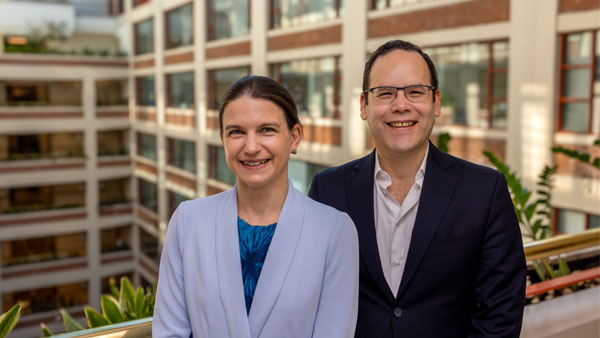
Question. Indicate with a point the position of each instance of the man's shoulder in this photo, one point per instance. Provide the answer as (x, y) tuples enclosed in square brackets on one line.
[(464, 166), (340, 170)]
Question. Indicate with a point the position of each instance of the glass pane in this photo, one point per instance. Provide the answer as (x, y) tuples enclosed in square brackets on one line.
[(597, 71), (499, 115), (145, 91), (181, 90), (147, 146), (594, 222), (575, 117), (576, 83), (174, 200), (500, 83), (149, 245), (291, 13), (462, 73), (144, 36), (301, 174), (147, 194), (500, 54), (570, 222), (578, 48), (229, 18), (183, 155), (111, 92), (220, 80), (180, 27), (40, 93), (379, 4), (313, 85)]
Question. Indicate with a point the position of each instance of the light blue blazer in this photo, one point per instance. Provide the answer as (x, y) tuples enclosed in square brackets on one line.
[(308, 286)]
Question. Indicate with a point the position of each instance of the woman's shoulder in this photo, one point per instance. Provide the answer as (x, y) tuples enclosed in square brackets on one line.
[(324, 214)]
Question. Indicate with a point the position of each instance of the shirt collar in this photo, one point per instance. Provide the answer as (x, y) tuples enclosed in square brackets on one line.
[(385, 176)]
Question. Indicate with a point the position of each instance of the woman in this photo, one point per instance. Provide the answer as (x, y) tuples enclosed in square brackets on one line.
[(209, 283)]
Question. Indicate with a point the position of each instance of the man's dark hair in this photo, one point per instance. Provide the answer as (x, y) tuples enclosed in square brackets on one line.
[(398, 45), (261, 87)]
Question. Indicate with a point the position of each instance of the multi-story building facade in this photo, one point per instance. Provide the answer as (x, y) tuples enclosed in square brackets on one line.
[(517, 77)]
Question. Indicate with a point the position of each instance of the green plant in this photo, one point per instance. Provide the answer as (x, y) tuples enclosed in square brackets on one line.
[(9, 319), (123, 304), (442, 142), (581, 157)]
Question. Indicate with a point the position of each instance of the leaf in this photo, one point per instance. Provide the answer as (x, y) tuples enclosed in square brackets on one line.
[(46, 331), (530, 210), (524, 198), (113, 288), (9, 319), (563, 267), (597, 142), (71, 325), (94, 318), (539, 270), (596, 162), (548, 268), (111, 309), (126, 295), (138, 303)]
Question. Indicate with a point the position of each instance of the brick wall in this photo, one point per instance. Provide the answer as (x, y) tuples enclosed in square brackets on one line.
[(462, 14), (309, 38), (179, 58), (236, 49), (578, 5)]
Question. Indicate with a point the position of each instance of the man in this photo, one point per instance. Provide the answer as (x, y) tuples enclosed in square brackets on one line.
[(441, 250)]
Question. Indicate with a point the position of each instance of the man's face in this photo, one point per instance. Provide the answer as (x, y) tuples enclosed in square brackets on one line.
[(400, 127)]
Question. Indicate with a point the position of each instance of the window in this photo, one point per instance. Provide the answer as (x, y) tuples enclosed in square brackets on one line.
[(113, 142), (227, 19), (43, 249), (37, 146), (146, 146), (217, 166), (144, 36), (302, 173), (174, 200), (114, 191), (111, 93), (40, 93), (149, 245), (180, 27), (145, 91), (290, 13), (147, 194), (379, 4), (571, 221), (180, 90), (473, 81), (182, 154), (48, 197), (315, 85), (218, 82), (115, 7), (115, 239), (579, 90), (48, 299)]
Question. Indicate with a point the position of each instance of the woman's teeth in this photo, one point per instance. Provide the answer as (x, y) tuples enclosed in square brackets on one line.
[(255, 163)]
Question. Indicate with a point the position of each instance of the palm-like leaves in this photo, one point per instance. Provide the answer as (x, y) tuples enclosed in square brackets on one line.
[(9, 319)]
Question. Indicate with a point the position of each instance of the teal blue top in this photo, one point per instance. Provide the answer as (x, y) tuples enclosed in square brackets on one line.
[(254, 244)]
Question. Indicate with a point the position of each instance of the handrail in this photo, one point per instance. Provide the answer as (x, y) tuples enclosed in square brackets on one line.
[(561, 244), (141, 328)]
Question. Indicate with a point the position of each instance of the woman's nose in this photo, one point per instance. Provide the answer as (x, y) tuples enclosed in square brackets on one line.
[(252, 145)]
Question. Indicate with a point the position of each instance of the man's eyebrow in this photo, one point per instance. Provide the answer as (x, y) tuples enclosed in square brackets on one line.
[(232, 126)]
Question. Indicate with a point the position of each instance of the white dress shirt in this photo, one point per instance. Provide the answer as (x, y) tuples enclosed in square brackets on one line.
[(394, 222)]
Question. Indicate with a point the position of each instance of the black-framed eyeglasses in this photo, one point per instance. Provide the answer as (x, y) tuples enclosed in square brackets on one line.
[(387, 94)]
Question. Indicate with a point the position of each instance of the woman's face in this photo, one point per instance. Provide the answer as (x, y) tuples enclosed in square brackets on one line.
[(257, 141)]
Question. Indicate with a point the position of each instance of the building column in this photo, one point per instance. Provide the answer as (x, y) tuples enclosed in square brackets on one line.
[(354, 44), (201, 96), (531, 83), (260, 19)]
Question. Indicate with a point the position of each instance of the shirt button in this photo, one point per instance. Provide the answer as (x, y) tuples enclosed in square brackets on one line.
[(398, 262), (398, 312)]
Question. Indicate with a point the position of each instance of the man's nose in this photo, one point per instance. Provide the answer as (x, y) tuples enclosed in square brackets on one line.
[(400, 102)]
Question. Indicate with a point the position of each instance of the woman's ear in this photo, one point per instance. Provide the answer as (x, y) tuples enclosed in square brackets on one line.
[(296, 132)]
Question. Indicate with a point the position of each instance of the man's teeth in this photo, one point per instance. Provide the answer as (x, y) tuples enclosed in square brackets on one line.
[(254, 164), (402, 124)]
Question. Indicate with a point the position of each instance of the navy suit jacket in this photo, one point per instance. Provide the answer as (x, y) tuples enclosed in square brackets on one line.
[(465, 271)]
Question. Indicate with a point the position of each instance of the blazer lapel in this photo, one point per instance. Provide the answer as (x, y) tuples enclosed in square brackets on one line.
[(359, 194), (279, 259), (438, 186), (229, 267)]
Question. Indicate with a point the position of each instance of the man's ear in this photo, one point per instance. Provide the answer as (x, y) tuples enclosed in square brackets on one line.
[(363, 107), (438, 103)]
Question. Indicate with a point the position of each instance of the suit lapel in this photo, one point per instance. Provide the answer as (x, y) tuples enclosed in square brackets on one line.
[(438, 186), (359, 194), (229, 268), (278, 261)]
